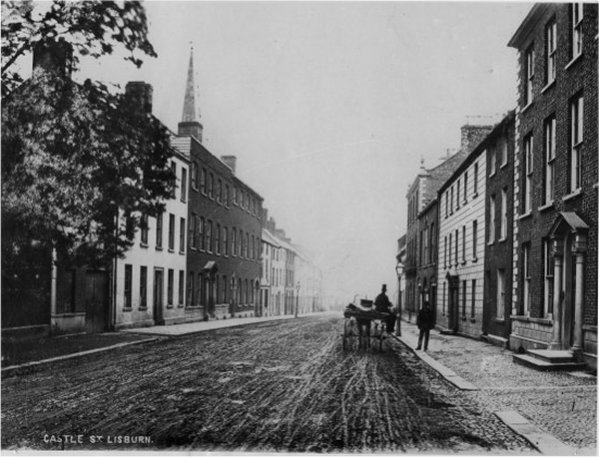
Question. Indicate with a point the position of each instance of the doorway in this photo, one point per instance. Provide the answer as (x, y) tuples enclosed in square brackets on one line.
[(158, 309), (96, 301)]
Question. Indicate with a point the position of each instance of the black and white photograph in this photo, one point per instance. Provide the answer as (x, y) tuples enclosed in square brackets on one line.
[(348, 227)]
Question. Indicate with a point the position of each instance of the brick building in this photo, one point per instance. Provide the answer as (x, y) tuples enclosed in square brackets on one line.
[(224, 229), (421, 193), (554, 303), (499, 231)]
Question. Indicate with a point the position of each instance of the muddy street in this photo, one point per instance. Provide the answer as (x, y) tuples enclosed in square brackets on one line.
[(281, 386)]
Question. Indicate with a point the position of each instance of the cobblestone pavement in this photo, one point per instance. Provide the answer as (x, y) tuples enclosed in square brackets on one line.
[(563, 404), (279, 386)]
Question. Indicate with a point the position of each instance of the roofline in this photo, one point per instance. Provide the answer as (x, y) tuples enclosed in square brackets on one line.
[(427, 206), (509, 117), (525, 28), (224, 165)]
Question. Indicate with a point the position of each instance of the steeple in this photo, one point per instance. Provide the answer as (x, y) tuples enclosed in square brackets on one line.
[(190, 125)]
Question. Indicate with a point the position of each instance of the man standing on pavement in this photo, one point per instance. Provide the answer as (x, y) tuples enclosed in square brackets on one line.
[(425, 324), (383, 305)]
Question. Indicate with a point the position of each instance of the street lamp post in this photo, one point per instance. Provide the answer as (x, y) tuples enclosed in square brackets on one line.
[(297, 290), (399, 271)]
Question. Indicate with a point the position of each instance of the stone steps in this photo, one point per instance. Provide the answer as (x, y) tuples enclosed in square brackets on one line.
[(547, 360)]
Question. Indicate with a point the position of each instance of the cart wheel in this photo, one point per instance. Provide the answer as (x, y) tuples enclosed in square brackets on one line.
[(348, 333)]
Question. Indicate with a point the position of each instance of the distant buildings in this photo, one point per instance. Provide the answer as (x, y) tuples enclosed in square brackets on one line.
[(517, 216)]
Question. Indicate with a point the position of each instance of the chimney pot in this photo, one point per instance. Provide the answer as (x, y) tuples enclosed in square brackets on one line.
[(230, 161), (141, 93)]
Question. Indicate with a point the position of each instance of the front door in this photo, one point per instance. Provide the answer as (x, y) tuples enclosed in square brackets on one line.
[(454, 302), (96, 301), (158, 296)]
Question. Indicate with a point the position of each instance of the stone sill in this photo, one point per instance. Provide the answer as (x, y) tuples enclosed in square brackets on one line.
[(545, 206), (548, 86), (572, 195), (503, 165), (492, 174), (525, 215), (498, 320), (573, 61), (533, 320), (66, 315), (589, 328), (527, 106), (143, 245), (503, 240)]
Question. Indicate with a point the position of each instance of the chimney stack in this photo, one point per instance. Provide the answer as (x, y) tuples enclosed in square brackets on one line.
[(230, 161), (141, 94), (472, 135), (53, 56)]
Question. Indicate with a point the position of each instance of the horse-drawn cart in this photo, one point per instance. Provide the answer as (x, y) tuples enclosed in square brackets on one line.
[(362, 327)]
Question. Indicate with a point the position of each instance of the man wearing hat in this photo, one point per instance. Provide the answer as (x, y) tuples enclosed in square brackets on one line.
[(383, 305)]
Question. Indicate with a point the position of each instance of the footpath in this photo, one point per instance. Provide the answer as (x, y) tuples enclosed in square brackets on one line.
[(555, 411)]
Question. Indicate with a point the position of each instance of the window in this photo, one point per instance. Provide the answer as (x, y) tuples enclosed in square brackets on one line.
[(432, 257), (576, 137), (235, 195), (171, 232), (170, 287), (473, 299), (550, 52), (144, 229), (503, 149), (182, 235), (217, 239), (463, 244), (198, 289), (219, 191), (492, 160), (445, 252), (457, 259), (492, 219), (210, 185), (475, 184), (226, 196), (174, 171), (500, 294), (203, 181), (503, 222), (190, 294), (446, 203), (239, 241), (576, 10), (183, 184), (181, 287), (449, 250), (225, 241), (201, 238), (234, 242), (464, 282), (547, 278), (474, 238), (128, 284), (528, 168), (194, 175), (465, 188), (209, 235), (526, 298), (247, 245), (224, 290), (457, 195), (192, 231), (451, 203), (530, 74), (548, 181), (143, 287), (159, 231)]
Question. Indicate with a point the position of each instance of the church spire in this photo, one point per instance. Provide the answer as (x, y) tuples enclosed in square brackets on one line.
[(190, 125)]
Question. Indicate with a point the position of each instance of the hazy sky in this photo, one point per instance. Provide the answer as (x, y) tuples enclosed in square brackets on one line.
[(329, 107)]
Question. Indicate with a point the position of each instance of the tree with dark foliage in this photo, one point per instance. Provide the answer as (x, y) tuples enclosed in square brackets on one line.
[(75, 156)]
